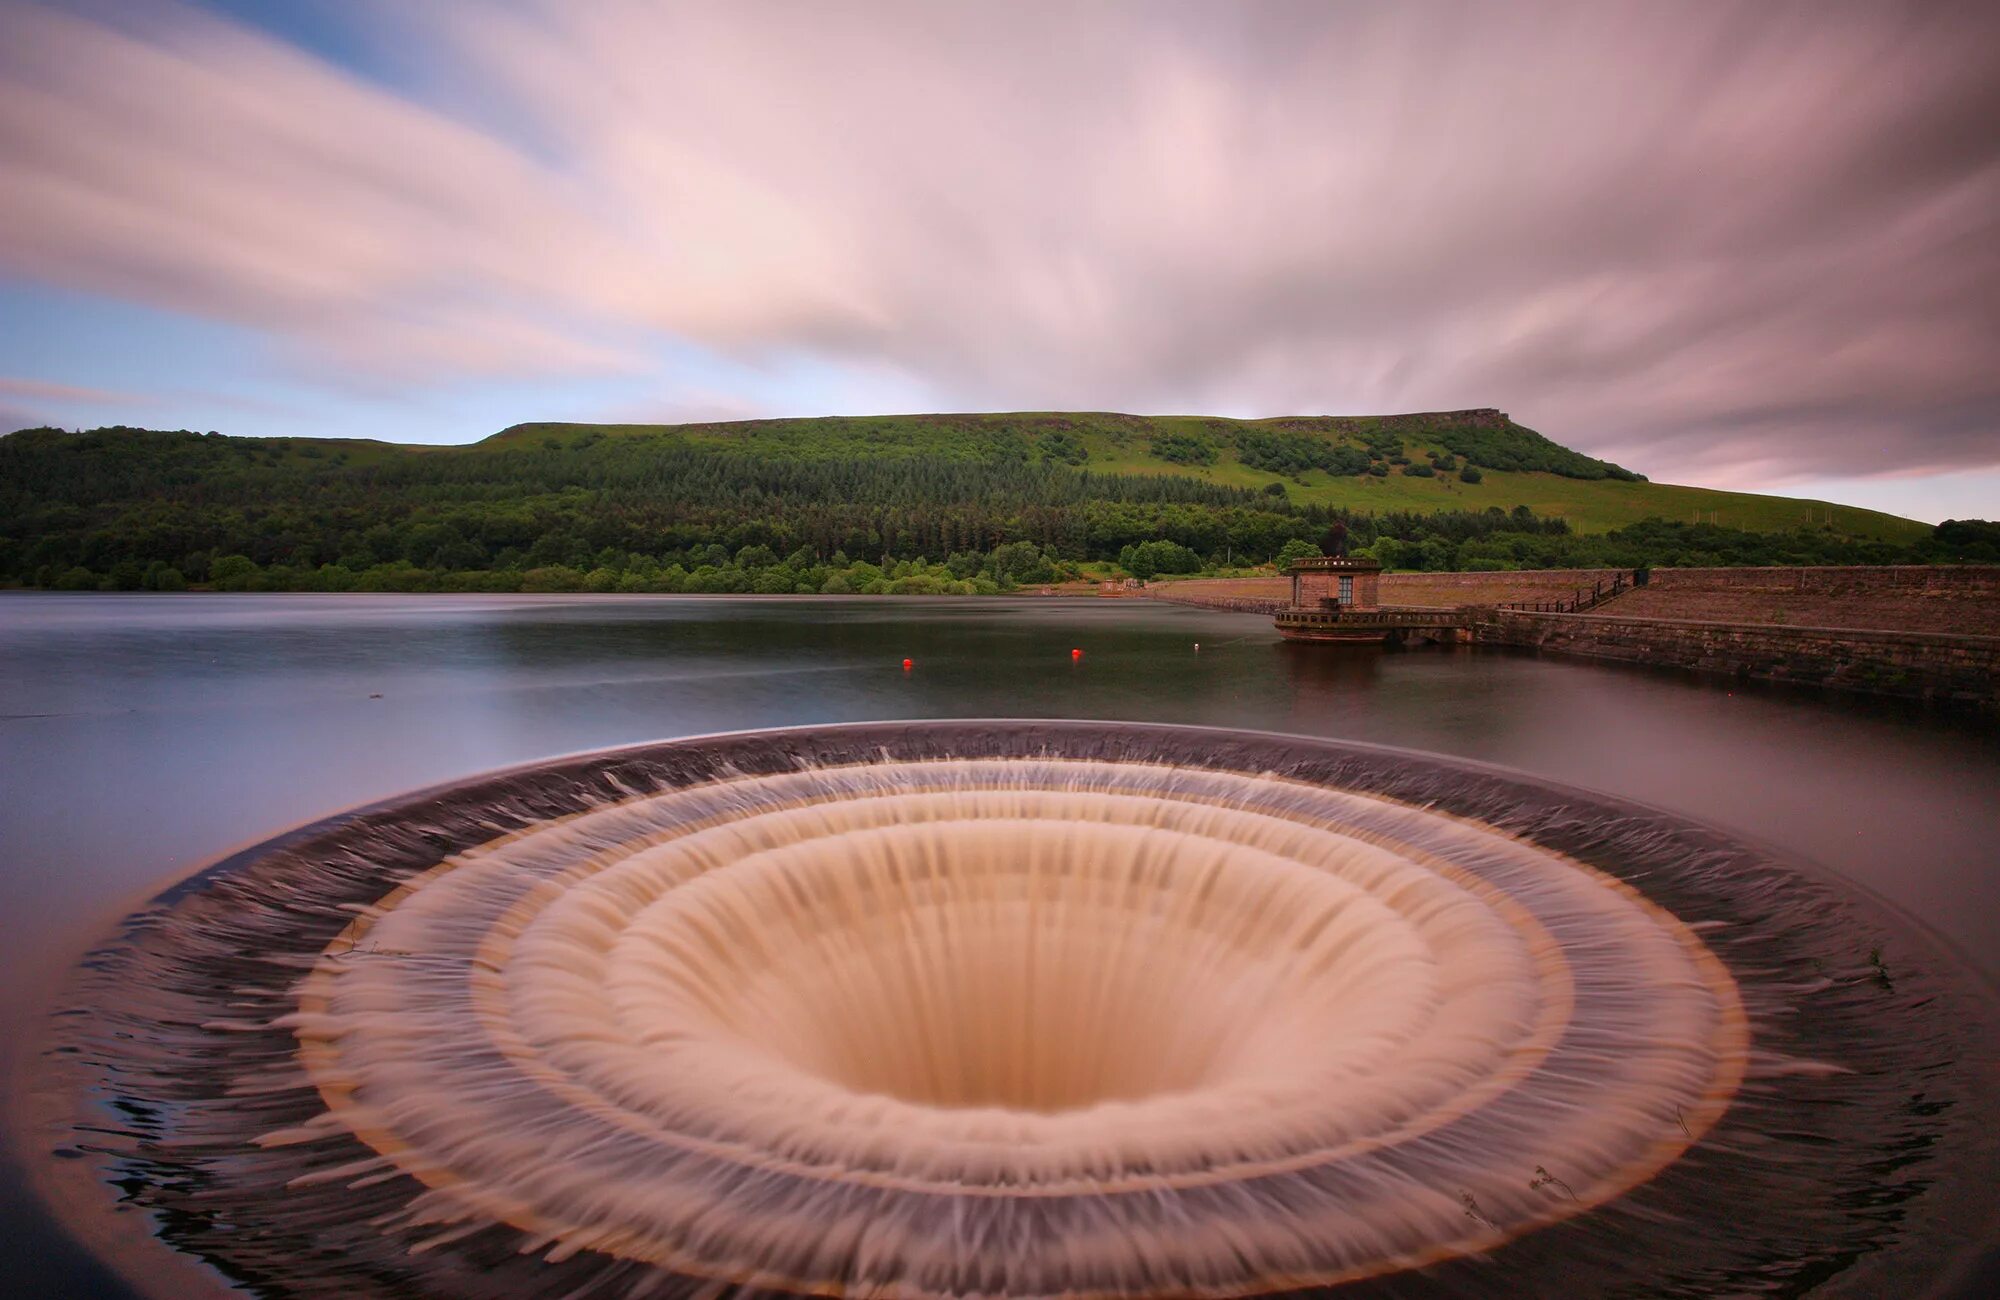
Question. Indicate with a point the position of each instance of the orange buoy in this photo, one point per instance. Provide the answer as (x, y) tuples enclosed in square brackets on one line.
[(1076, 654), (908, 664)]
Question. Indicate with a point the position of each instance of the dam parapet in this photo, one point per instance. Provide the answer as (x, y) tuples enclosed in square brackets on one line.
[(1932, 666), (1924, 633)]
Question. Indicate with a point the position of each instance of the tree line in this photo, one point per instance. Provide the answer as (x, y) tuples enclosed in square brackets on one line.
[(127, 509)]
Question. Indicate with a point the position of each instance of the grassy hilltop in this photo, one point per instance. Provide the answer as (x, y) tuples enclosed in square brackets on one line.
[(892, 503)]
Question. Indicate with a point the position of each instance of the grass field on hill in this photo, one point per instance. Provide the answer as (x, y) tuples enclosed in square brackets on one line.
[(1122, 444)]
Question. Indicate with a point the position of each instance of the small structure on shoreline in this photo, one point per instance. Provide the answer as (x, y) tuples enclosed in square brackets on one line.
[(1336, 600), (1336, 582)]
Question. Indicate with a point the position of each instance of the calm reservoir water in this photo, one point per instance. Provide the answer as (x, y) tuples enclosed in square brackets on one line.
[(141, 736)]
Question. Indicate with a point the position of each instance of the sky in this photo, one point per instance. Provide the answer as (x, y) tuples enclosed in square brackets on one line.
[(1749, 245)]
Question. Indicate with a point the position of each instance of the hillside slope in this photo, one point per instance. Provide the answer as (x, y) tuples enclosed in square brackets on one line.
[(1320, 460), (902, 503)]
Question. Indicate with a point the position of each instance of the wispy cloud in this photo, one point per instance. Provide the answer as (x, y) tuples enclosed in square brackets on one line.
[(1745, 243), (40, 390)]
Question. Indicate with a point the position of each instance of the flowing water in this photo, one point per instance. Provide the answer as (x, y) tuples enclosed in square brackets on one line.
[(1222, 1031)]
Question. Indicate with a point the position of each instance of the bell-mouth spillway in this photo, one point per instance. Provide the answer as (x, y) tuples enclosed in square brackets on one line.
[(1026, 1008)]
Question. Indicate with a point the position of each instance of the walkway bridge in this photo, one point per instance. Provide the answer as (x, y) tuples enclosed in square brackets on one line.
[(1336, 620)]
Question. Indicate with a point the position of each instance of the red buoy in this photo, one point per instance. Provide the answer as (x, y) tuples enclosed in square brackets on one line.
[(908, 664), (1076, 654)]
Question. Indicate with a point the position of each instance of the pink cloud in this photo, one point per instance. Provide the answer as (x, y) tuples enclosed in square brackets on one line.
[(1736, 241), (40, 390)]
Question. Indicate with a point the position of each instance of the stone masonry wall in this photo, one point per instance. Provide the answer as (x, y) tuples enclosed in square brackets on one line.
[(1241, 595), (1981, 579), (1441, 590), (1916, 665), (1958, 599), (1451, 590)]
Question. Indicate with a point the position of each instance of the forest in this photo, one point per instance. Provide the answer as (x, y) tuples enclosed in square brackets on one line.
[(134, 509)]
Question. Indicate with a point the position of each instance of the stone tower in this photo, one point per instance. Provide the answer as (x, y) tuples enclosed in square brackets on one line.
[(1344, 582)]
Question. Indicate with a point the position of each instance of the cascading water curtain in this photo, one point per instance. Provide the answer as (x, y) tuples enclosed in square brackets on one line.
[(1025, 1009)]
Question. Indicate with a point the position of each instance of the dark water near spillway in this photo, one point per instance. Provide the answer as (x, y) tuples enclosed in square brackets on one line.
[(141, 736)]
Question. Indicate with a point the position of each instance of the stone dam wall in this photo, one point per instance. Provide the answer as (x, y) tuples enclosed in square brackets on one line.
[(1220, 600), (1411, 590), (1912, 665), (1919, 632), (1250, 595), (1962, 599), (1452, 590)]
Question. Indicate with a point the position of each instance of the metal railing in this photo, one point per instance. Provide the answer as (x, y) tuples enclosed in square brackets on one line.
[(1578, 602), (1371, 618)]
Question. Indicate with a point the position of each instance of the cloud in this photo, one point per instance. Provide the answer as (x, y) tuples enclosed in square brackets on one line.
[(1746, 243), (33, 403), (41, 390)]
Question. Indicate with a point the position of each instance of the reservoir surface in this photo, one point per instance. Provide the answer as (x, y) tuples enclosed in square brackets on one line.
[(142, 736)]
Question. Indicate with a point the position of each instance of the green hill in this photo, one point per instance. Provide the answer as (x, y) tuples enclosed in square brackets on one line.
[(1321, 460), (902, 503)]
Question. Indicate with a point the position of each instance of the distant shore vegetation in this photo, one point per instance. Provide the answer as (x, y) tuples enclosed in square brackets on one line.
[(130, 509)]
